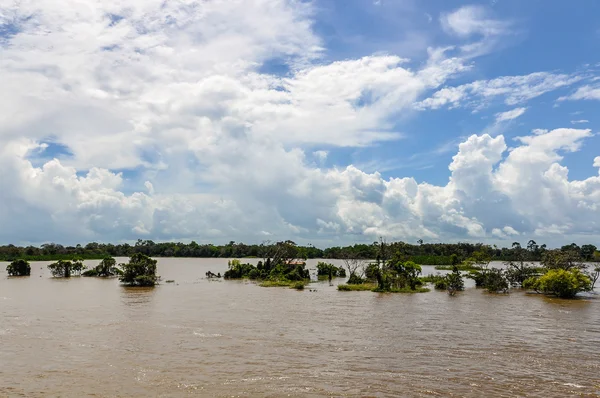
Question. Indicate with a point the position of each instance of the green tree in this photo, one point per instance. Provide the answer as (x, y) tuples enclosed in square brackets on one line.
[(496, 281), (587, 252), (454, 282), (566, 258), (518, 271), (66, 268), (19, 268), (106, 268), (560, 282), (139, 271)]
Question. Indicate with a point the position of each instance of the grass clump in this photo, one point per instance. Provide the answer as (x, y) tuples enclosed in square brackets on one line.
[(278, 283), (357, 287), (298, 286)]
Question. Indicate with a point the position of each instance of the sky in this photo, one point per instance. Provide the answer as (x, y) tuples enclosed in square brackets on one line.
[(325, 122)]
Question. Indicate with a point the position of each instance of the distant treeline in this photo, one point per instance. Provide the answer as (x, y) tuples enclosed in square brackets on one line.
[(420, 253)]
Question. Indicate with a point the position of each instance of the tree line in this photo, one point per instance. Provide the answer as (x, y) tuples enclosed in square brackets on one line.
[(562, 272), (419, 253)]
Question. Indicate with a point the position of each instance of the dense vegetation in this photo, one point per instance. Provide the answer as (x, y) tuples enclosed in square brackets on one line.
[(563, 274), (19, 268), (106, 268), (66, 268), (139, 271), (421, 253), (330, 271)]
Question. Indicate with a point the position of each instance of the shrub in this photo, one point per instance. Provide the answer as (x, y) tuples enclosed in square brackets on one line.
[(19, 268), (65, 268), (298, 286), (355, 280), (106, 268), (495, 281), (441, 284), (559, 282), (140, 271), (454, 282)]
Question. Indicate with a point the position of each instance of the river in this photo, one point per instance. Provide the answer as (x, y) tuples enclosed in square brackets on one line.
[(85, 337)]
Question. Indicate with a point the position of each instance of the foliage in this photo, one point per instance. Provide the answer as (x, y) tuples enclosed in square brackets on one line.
[(518, 271), (422, 253), (441, 283), (298, 285), (106, 268), (455, 282), (355, 280), (357, 287), (284, 271), (559, 282), (565, 258), (494, 280), (452, 282), (19, 268), (66, 268), (326, 269), (139, 271)]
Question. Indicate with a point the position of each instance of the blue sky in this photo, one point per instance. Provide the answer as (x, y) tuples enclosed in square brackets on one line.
[(321, 121)]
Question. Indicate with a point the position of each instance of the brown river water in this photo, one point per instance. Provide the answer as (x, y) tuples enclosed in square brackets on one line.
[(87, 337)]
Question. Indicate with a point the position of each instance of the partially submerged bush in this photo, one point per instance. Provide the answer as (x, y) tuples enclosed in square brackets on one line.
[(288, 271), (19, 268), (106, 268), (454, 282), (326, 269), (494, 280), (65, 268), (560, 282), (139, 271)]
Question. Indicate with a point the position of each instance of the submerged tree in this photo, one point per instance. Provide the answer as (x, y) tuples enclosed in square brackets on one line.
[(66, 269), (106, 268), (454, 282), (19, 268), (520, 270), (560, 282), (594, 275), (563, 276), (139, 271), (355, 268)]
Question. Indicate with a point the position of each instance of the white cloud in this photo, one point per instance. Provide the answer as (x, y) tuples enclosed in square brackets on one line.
[(510, 115), (470, 20), (512, 89), (214, 148), (586, 92)]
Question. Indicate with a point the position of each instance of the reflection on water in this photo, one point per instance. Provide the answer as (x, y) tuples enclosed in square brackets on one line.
[(87, 336)]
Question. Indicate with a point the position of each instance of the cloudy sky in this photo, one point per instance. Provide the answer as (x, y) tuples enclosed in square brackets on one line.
[(324, 121)]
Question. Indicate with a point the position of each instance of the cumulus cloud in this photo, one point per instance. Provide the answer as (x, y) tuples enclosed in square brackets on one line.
[(173, 129), (510, 115)]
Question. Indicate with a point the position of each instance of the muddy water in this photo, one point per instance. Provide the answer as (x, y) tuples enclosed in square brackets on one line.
[(91, 337)]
